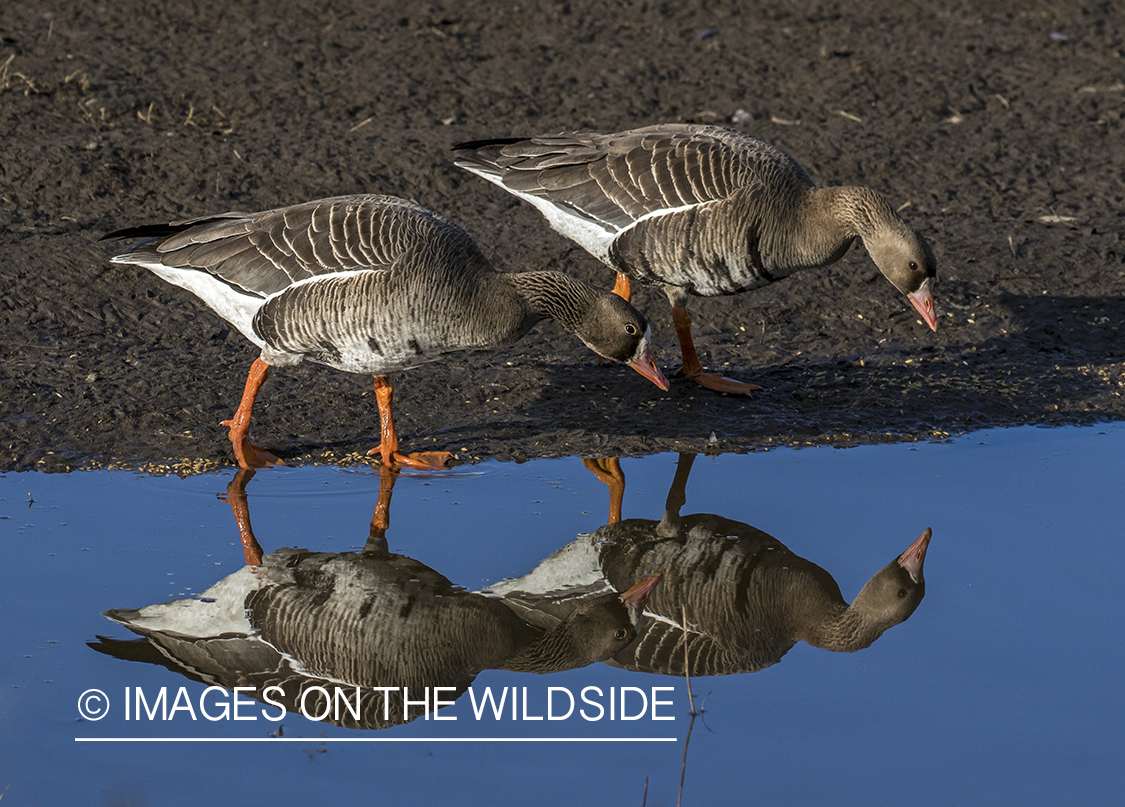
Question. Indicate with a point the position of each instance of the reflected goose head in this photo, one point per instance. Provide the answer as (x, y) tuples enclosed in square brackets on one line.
[(594, 631), (606, 624), (893, 593)]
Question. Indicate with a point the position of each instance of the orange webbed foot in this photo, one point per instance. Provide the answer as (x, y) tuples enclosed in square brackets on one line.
[(719, 383), (250, 456), (422, 460)]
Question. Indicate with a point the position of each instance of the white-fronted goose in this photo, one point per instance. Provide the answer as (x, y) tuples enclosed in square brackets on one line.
[(755, 598), (747, 597), (370, 284), (307, 623), (701, 210)]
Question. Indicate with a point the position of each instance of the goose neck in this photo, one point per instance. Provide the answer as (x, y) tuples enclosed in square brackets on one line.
[(552, 295), (552, 651), (844, 629), (855, 211)]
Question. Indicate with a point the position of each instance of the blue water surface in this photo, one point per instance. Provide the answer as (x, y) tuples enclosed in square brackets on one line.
[(1002, 688)]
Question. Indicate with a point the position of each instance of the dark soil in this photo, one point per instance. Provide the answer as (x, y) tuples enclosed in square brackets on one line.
[(999, 133)]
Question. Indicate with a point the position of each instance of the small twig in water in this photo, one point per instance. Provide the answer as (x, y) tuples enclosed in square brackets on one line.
[(691, 703), (687, 672)]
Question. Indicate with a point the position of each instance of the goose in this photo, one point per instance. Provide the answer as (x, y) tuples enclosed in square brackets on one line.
[(305, 623), (755, 598), (310, 622), (369, 284), (700, 210), (747, 598)]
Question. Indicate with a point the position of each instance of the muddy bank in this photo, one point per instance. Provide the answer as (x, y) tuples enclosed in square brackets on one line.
[(998, 134)]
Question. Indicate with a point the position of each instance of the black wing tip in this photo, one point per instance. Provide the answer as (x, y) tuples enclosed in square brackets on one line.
[(143, 231), (474, 145)]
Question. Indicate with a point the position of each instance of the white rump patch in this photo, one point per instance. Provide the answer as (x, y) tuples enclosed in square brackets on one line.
[(237, 308), (592, 236), (576, 565), (220, 609)]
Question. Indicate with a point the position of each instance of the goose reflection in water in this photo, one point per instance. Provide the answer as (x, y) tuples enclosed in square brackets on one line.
[(746, 598), (373, 622)]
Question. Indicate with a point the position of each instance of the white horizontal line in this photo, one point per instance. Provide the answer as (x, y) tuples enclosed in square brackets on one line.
[(375, 739)]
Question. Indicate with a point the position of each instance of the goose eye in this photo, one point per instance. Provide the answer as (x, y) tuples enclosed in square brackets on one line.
[(913, 266), (621, 632), (631, 330), (901, 593)]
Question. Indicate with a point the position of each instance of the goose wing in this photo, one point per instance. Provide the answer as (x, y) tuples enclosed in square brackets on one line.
[(611, 181), (260, 254)]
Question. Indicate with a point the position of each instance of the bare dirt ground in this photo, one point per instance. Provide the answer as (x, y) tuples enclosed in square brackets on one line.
[(996, 128)]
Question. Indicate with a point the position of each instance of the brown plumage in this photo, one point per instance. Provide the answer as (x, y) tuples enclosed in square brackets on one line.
[(700, 210), (308, 622), (370, 284), (746, 596)]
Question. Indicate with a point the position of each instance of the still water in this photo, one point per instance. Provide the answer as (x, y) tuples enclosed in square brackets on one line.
[(1003, 687)]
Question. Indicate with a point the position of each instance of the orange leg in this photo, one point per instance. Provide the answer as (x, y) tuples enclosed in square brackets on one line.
[(250, 456), (388, 447), (677, 493), (692, 367), (608, 470), (622, 288), (240, 508), (381, 518)]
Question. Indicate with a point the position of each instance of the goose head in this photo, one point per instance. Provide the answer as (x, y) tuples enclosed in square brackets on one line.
[(595, 631), (907, 261), (615, 330), (890, 596)]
